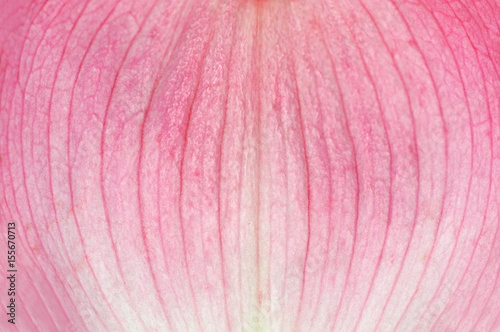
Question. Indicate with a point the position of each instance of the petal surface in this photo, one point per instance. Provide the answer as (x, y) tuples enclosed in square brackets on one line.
[(258, 165)]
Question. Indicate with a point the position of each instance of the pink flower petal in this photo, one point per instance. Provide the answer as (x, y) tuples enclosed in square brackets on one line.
[(251, 165)]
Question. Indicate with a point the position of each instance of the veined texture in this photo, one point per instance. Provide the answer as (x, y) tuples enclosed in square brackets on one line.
[(225, 165)]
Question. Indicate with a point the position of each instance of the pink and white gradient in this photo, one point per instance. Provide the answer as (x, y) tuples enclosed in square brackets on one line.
[(245, 165)]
